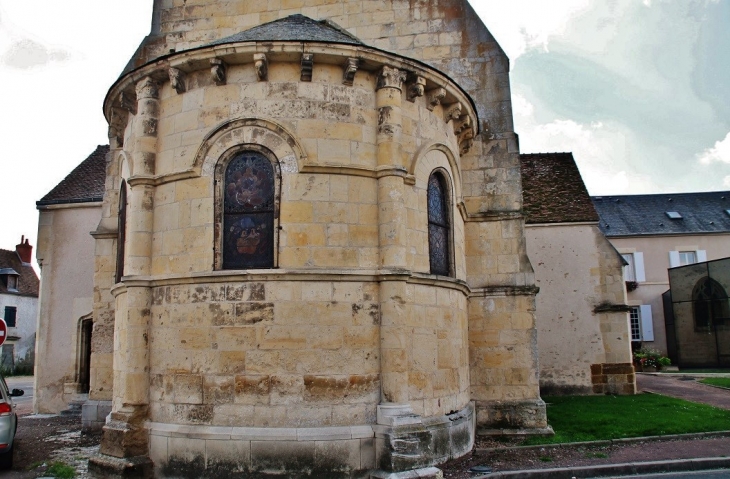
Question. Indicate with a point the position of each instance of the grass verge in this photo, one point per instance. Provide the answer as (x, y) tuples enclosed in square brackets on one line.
[(60, 470), (594, 418), (722, 382)]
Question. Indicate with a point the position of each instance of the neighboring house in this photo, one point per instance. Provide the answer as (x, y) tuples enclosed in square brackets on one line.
[(581, 314), (657, 232), (65, 253), (18, 304), (701, 313)]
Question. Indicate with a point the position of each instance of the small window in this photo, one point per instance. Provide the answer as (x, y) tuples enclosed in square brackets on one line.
[(10, 315), (635, 317), (687, 257), (12, 282), (121, 231), (674, 215), (710, 306), (439, 229)]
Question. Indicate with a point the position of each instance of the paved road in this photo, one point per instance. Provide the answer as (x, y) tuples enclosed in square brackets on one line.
[(682, 475), (684, 387), (23, 403)]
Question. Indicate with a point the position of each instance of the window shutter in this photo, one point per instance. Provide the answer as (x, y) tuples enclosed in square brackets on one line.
[(639, 267), (673, 259), (647, 327), (701, 256)]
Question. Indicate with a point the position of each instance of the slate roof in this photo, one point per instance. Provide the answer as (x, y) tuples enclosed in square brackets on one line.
[(553, 190), (27, 282), (297, 28), (84, 184), (635, 215)]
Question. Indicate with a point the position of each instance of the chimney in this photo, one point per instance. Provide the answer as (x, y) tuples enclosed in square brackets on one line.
[(24, 250)]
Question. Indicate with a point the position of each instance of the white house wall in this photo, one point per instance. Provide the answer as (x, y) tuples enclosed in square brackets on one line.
[(65, 296)]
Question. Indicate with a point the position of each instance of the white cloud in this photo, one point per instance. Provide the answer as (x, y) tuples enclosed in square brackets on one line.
[(19, 50), (719, 153), (726, 182), (527, 24)]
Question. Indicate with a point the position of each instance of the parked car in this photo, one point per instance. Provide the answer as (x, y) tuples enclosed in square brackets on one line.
[(8, 423)]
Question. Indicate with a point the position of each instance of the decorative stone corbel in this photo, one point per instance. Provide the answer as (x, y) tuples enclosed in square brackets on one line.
[(128, 102), (465, 146), (416, 88), (452, 112), (462, 124), (391, 78), (307, 66), (262, 66), (177, 79), (434, 97), (218, 71), (117, 124), (467, 134), (351, 66)]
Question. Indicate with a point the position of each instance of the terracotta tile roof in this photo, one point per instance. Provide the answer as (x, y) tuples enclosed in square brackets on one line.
[(553, 190), (633, 215), (84, 184), (27, 282)]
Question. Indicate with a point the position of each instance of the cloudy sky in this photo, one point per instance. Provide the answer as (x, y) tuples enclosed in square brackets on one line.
[(638, 90)]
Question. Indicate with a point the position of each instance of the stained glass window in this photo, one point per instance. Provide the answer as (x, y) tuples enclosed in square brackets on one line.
[(438, 225), (248, 212), (710, 304)]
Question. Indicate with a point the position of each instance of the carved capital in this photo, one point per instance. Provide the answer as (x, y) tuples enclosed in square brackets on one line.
[(434, 97), (147, 88), (452, 112), (218, 71), (177, 79), (307, 66), (348, 77), (262, 66), (391, 78), (416, 88)]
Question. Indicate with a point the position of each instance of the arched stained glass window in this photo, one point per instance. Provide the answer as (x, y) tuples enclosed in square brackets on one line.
[(438, 225), (709, 304), (248, 212)]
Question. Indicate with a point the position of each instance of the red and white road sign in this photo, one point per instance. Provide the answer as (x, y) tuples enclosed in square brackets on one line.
[(3, 331)]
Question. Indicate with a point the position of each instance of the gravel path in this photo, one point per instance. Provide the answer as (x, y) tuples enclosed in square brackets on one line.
[(684, 387)]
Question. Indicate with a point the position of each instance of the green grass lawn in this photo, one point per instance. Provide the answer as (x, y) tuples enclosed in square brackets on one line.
[(593, 418), (722, 382)]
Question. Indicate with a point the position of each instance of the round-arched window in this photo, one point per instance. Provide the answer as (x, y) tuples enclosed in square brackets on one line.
[(438, 225), (248, 212)]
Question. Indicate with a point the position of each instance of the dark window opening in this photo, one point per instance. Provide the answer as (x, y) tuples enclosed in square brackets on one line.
[(121, 231), (438, 225), (248, 212), (10, 315)]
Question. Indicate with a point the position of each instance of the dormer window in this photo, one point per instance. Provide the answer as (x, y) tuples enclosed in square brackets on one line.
[(9, 278)]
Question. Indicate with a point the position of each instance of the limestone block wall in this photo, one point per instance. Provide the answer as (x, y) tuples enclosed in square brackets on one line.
[(65, 254)]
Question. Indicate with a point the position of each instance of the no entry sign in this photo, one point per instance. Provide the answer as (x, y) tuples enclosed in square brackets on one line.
[(3, 331)]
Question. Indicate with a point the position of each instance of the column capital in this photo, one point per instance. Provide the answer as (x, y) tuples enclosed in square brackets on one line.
[(147, 88), (391, 78)]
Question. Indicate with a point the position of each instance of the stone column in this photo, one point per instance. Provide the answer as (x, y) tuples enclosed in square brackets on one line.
[(125, 436), (392, 236)]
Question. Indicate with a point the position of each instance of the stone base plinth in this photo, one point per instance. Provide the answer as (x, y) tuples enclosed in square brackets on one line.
[(425, 473), (102, 467), (94, 414), (512, 418)]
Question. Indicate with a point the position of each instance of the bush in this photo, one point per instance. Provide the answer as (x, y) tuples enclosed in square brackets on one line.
[(646, 357)]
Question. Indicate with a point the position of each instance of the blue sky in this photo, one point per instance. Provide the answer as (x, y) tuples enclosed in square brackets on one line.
[(638, 90)]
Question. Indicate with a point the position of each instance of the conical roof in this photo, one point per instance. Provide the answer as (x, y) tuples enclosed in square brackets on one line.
[(294, 28)]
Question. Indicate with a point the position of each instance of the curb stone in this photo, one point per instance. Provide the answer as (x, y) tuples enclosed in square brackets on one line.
[(680, 465), (621, 441)]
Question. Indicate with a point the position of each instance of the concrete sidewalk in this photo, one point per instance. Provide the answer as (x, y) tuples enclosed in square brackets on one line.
[(678, 453)]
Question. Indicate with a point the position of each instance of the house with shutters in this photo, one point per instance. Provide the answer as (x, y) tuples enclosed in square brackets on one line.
[(654, 233), (18, 304)]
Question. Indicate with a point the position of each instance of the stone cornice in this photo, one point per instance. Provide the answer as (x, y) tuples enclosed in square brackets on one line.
[(217, 59)]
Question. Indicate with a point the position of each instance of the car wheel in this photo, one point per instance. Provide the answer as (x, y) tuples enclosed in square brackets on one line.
[(6, 459)]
